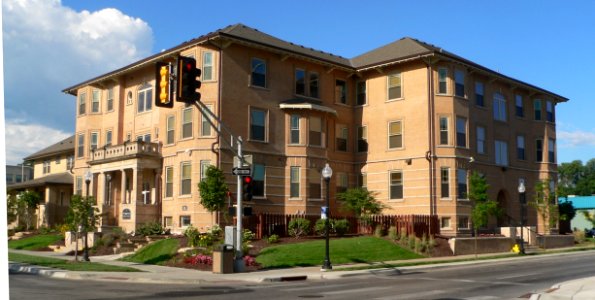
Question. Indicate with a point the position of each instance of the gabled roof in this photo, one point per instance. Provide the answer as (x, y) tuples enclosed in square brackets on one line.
[(61, 147), (395, 52), (60, 178), (580, 202)]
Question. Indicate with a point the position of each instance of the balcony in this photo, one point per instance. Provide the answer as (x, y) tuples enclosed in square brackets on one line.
[(128, 150)]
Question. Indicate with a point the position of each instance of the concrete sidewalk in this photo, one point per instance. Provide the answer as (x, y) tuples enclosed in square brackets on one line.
[(576, 289)]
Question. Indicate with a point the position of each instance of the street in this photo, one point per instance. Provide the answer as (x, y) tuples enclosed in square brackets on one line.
[(495, 280)]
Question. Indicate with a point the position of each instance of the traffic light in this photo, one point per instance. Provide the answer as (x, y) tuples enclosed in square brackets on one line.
[(247, 188), (163, 97), (188, 81)]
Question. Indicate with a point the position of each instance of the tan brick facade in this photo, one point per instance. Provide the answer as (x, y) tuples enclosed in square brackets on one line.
[(418, 132)]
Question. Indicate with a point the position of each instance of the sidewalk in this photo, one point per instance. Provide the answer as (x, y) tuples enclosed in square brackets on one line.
[(576, 289)]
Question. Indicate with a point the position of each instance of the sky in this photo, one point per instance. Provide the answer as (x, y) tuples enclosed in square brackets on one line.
[(50, 45)]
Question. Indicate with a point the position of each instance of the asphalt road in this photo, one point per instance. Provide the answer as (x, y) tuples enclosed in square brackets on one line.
[(496, 280)]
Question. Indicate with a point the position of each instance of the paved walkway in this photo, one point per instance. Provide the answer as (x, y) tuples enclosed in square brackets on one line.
[(576, 289)]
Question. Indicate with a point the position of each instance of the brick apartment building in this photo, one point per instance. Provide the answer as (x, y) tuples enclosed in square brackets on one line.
[(407, 120)]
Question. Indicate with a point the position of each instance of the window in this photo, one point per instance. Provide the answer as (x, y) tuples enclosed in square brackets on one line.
[(145, 98), (314, 85), (80, 150), (258, 125), (168, 221), (461, 132), (204, 165), (442, 76), (342, 135), (539, 150), (443, 130), (340, 91), (395, 135), (94, 140), (258, 176), (549, 111), (146, 192), (394, 86), (342, 182), (444, 182), (479, 94), (314, 184), (360, 90), (520, 147), (550, 150), (95, 101), (315, 134), (57, 159), (300, 82), (170, 129), (362, 139), (461, 184), (79, 185), (481, 140), (519, 110), (396, 185), (459, 83), (205, 125), (82, 103), (185, 221), (69, 162), (463, 223), (258, 76), (46, 166), (499, 107), (207, 66), (501, 150), (108, 138), (294, 128), (186, 179), (537, 110), (110, 99), (169, 182), (445, 222), (144, 138), (294, 178), (187, 123)]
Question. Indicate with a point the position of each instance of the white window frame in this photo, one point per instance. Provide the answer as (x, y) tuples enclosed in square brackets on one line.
[(499, 105), (396, 183), (96, 101), (206, 130), (442, 78), (294, 180), (460, 81), (398, 134), (481, 139), (501, 152), (399, 76), (187, 122), (255, 65), (170, 130), (444, 130), (207, 62), (185, 164), (144, 97), (294, 127)]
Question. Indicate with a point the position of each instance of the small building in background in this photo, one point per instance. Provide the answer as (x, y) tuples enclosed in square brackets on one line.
[(581, 204)]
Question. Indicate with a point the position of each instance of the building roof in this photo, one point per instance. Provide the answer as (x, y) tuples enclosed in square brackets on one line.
[(60, 178), (397, 52), (580, 202), (61, 147)]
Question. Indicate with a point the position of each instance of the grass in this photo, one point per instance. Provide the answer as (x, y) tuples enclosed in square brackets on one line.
[(342, 251), (35, 242), (66, 265), (155, 253)]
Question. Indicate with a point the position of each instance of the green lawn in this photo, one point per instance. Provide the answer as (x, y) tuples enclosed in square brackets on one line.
[(155, 253), (65, 264), (35, 242), (346, 250)]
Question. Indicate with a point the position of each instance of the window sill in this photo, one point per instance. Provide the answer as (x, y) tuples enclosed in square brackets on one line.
[(315, 199), (343, 104), (262, 88), (296, 145), (185, 196), (443, 94), (461, 97), (396, 200), (463, 200), (361, 105), (258, 141), (394, 100), (295, 199), (185, 139), (446, 199)]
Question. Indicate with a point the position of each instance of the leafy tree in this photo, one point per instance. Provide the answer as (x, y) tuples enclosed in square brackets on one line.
[(81, 212), (544, 203), (12, 208), (483, 208), (361, 202), (213, 190), (566, 211), (25, 204), (589, 217)]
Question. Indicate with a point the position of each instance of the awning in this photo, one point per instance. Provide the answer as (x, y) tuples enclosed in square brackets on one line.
[(306, 104), (61, 178)]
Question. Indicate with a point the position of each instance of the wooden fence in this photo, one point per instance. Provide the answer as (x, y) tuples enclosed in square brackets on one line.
[(266, 224)]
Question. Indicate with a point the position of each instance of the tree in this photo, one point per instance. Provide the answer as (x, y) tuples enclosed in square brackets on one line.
[(81, 212), (361, 202), (566, 211), (483, 208), (213, 189), (589, 217), (544, 202), (26, 204)]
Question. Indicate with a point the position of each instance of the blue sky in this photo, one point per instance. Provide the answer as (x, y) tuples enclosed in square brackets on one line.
[(544, 43)]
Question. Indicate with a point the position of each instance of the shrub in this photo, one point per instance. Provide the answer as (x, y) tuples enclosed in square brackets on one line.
[(248, 235), (431, 244), (392, 233), (379, 231), (151, 228), (216, 231), (319, 227), (298, 227), (273, 239), (199, 259), (192, 234), (63, 229), (250, 261), (341, 227), (579, 236), (403, 239), (411, 242), (418, 246)]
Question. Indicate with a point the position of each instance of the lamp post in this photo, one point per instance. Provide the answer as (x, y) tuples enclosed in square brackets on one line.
[(327, 173), (522, 201), (109, 189), (88, 177)]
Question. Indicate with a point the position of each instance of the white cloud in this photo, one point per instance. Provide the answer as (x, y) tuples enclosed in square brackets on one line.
[(26, 139), (49, 47), (575, 138)]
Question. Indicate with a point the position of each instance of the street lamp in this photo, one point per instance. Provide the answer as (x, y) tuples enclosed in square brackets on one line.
[(522, 201), (327, 173), (88, 177)]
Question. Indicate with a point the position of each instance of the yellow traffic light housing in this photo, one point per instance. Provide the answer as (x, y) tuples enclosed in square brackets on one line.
[(163, 90)]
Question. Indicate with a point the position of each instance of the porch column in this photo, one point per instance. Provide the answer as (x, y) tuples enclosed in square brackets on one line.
[(156, 189), (123, 189), (134, 194)]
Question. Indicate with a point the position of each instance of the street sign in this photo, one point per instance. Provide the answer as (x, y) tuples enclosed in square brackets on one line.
[(241, 171)]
